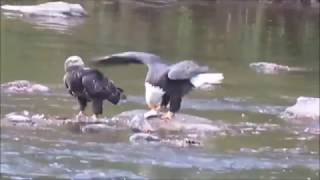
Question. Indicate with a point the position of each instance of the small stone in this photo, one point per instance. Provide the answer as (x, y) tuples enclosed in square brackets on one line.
[(143, 137), (243, 115)]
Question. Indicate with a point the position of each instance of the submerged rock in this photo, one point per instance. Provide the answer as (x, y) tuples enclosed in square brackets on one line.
[(143, 137), (23, 86), (272, 68), (95, 128), (50, 9), (139, 138), (304, 109)]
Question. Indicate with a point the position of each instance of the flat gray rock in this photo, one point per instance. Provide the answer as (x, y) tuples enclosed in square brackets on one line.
[(135, 120)]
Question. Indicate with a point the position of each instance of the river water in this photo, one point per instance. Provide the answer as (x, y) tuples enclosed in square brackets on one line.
[(227, 36)]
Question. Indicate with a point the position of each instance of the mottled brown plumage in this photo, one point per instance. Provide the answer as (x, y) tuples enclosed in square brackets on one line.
[(88, 84)]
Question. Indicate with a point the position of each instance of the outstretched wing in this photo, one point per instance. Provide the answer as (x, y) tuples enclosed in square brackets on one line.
[(185, 70), (97, 86), (130, 57)]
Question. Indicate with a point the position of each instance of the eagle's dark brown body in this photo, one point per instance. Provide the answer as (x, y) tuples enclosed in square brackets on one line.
[(88, 84)]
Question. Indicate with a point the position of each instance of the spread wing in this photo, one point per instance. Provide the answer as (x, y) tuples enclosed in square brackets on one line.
[(130, 57), (185, 70)]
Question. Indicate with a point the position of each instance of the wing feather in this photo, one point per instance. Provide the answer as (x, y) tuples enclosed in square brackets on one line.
[(185, 70), (130, 57), (97, 86)]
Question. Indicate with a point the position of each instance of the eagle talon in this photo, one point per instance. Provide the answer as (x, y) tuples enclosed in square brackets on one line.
[(168, 116), (94, 118), (148, 131), (163, 109), (81, 116)]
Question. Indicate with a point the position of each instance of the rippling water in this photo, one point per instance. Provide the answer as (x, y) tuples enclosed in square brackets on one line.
[(227, 36)]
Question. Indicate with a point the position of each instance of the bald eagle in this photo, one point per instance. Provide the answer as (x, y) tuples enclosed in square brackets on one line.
[(88, 84), (166, 84)]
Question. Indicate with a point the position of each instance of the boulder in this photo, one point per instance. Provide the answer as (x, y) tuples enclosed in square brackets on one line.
[(50, 9), (184, 123), (23, 86), (272, 68), (306, 108)]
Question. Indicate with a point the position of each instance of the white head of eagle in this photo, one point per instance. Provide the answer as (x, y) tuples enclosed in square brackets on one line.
[(73, 61)]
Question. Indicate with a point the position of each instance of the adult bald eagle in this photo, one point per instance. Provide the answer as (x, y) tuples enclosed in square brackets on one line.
[(88, 84), (166, 84)]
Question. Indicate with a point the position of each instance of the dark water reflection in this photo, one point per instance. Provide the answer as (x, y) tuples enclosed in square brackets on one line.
[(227, 36)]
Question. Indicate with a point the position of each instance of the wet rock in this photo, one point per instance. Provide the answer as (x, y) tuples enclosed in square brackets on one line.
[(50, 9), (28, 119), (272, 68), (23, 86), (306, 108), (135, 120), (143, 137), (18, 118), (36, 120)]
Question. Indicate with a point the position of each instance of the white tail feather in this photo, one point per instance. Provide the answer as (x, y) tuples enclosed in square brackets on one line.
[(205, 80)]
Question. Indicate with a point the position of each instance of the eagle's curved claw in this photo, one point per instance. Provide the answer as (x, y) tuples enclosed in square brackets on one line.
[(168, 116), (163, 109), (94, 118), (81, 116)]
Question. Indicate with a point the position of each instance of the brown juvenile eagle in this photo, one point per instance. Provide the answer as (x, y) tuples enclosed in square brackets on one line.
[(88, 84)]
